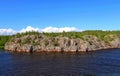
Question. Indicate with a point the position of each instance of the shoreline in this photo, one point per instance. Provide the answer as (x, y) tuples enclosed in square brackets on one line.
[(47, 52)]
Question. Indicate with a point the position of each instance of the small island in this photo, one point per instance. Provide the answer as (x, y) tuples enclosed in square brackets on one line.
[(91, 40)]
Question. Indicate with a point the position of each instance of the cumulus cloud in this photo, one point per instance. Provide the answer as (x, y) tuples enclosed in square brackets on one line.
[(7, 31), (55, 29), (49, 29), (30, 28)]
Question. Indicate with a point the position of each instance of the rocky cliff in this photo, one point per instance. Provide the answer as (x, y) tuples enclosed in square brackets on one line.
[(60, 43)]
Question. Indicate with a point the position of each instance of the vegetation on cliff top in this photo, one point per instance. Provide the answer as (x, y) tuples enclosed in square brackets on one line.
[(97, 33), (103, 35)]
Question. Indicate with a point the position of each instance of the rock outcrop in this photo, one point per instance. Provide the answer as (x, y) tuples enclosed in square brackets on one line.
[(45, 43)]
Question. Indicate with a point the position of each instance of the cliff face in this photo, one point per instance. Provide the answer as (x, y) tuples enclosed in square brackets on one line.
[(42, 42)]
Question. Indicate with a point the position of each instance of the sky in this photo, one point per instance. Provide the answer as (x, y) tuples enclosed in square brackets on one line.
[(58, 15)]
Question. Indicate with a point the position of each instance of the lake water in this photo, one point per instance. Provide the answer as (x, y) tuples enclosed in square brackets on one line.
[(99, 63)]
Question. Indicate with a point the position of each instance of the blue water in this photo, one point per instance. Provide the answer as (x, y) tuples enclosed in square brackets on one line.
[(99, 63)]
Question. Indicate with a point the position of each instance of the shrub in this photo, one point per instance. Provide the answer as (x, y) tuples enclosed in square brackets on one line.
[(26, 40)]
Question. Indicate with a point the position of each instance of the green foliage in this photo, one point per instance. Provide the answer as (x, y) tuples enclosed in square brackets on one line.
[(98, 33), (26, 40), (1, 47), (3, 40), (34, 43), (27, 33), (51, 34), (110, 37)]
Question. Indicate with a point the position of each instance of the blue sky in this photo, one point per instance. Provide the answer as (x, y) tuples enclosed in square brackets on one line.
[(81, 14)]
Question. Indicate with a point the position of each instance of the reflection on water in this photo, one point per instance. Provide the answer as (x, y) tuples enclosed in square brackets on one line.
[(100, 63)]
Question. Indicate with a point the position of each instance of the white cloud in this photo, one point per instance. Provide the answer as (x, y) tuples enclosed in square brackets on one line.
[(55, 29), (30, 28), (7, 31)]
